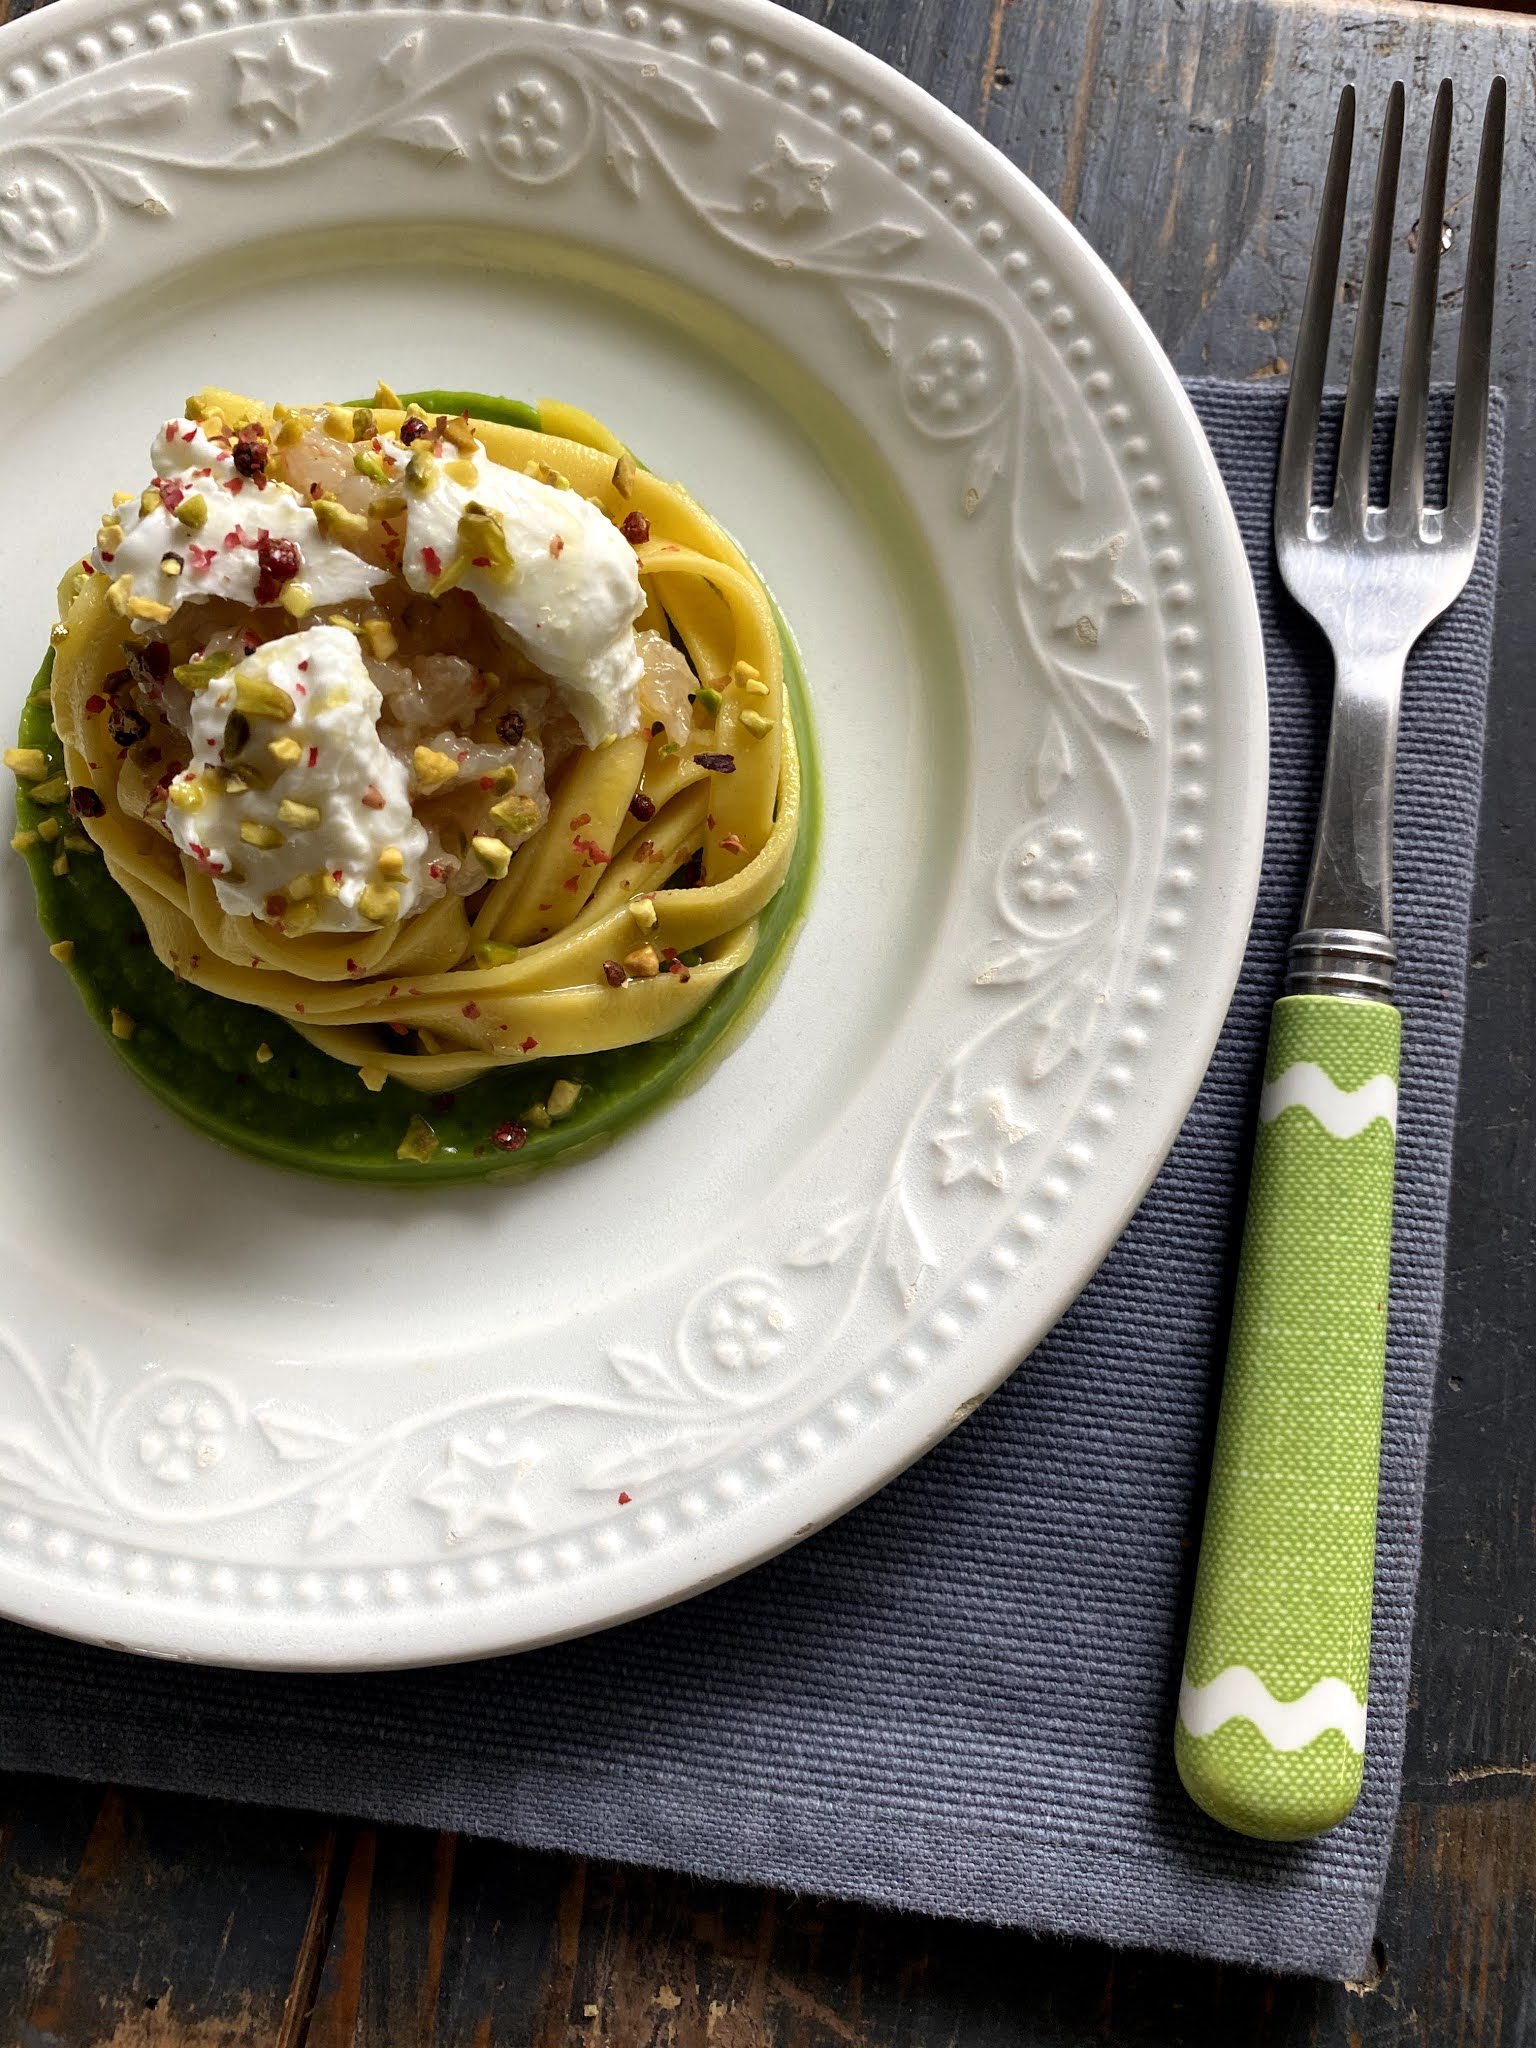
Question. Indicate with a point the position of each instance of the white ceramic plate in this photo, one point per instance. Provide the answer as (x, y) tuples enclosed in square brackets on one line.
[(252, 1418)]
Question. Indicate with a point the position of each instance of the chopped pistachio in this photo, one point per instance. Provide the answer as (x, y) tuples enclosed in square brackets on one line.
[(54, 791), (285, 752), (78, 843), (329, 886), (386, 398), (363, 427), (150, 501), (29, 763), (109, 536), (258, 698), (338, 424), (391, 506), (202, 670), (379, 903), (372, 1078), (491, 953), (707, 698), (23, 842), (463, 471), (121, 498), (433, 769), (451, 577), (119, 593), (123, 1025), (421, 470), (419, 1142), (347, 625), (295, 600), (171, 565), (642, 963), (755, 722), (302, 887), (192, 512), (48, 829), (150, 609), (537, 1115), (624, 474), (743, 672), (390, 863), (61, 864), (291, 430), (300, 918), (380, 635), (193, 409), (517, 813), (267, 837), (237, 735), (458, 433), (542, 473), (494, 855), (263, 1053), (562, 1098), (755, 688), (63, 949), (336, 522), (302, 817), (367, 464), (643, 911)]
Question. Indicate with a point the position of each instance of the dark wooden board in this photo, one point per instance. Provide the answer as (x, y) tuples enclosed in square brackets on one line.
[(1186, 138)]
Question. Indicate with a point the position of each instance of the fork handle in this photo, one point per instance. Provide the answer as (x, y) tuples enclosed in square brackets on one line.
[(1270, 1737)]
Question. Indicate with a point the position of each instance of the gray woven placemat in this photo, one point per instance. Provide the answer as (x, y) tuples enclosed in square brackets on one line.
[(958, 1699)]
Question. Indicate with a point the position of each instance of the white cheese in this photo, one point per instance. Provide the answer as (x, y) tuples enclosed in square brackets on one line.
[(347, 795)]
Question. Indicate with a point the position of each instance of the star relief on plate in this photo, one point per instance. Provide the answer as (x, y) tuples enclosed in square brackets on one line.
[(977, 1141), (788, 185), (275, 82), (482, 1480), (1085, 586)]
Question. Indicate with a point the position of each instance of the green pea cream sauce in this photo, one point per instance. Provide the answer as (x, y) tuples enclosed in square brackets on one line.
[(304, 1110)]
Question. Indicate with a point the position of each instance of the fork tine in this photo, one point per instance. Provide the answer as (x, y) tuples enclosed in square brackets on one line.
[(1353, 483), (1474, 351), (1298, 445), (1407, 493)]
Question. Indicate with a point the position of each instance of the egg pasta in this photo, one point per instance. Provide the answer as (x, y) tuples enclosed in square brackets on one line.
[(592, 887)]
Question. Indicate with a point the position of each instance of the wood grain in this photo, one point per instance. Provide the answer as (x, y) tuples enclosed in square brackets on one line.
[(148, 1921), (1186, 140)]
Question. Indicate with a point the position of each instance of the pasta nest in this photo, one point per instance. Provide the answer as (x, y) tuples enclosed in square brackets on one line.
[(412, 1001)]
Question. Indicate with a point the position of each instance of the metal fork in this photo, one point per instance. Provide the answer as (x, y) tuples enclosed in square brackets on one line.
[(1272, 1711)]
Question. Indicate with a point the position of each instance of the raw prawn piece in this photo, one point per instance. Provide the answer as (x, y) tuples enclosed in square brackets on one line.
[(433, 690), (467, 803), (317, 459), (667, 686)]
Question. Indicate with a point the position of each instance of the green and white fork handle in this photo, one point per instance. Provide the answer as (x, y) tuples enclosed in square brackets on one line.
[(1271, 1727)]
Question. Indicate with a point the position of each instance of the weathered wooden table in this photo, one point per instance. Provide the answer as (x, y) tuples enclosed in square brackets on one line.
[(1186, 138)]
